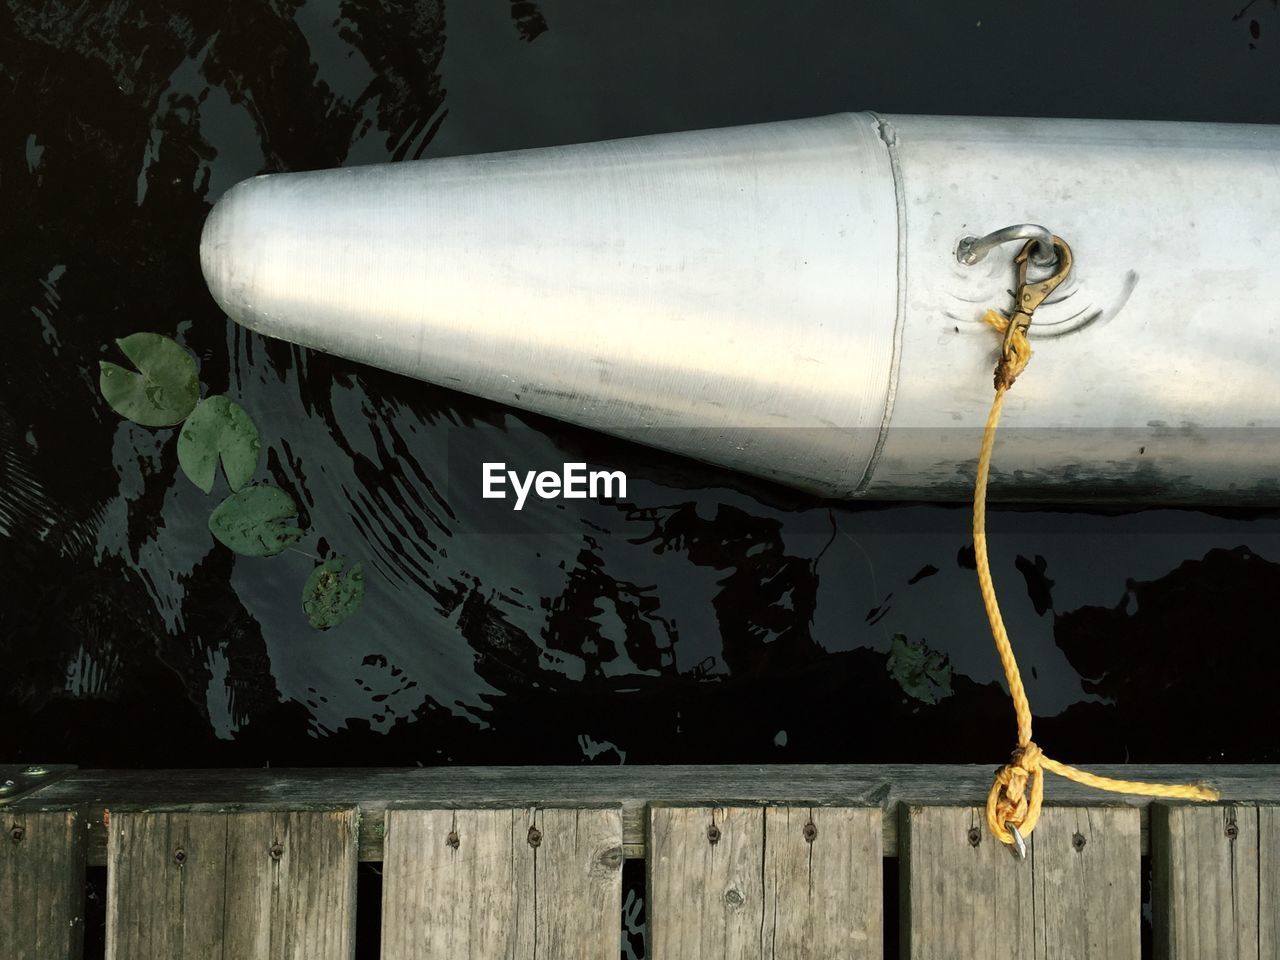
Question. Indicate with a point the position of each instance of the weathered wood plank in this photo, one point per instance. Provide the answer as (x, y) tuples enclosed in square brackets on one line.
[(442, 900), (794, 882), (1087, 871), (1076, 896), (258, 886), (1269, 881), (824, 881), (961, 898), (291, 885), (42, 860), (705, 899), (1215, 891), (888, 786), (166, 886), (576, 874), (493, 884)]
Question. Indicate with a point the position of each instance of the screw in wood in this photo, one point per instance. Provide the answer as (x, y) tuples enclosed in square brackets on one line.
[(1232, 831), (810, 832), (17, 833), (452, 841), (975, 836), (713, 834), (179, 856), (276, 851), (535, 837), (1078, 841)]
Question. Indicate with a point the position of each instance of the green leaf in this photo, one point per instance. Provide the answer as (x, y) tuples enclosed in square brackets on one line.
[(922, 673), (219, 427), (330, 595), (257, 521), (163, 390)]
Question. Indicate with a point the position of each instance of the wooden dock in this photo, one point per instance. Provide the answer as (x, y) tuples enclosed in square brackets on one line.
[(509, 863)]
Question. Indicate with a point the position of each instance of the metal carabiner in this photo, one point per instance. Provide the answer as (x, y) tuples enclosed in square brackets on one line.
[(1029, 296)]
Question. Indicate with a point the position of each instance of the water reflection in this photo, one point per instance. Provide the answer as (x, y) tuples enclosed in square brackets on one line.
[(706, 618)]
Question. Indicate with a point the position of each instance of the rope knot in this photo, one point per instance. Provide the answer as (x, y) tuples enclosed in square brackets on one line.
[(1015, 352), (1009, 802)]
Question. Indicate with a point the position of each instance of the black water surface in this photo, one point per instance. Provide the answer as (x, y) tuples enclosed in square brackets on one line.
[(708, 619)]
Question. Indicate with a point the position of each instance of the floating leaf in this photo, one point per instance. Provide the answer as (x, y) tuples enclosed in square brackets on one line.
[(330, 595), (162, 391), (922, 673), (219, 427), (257, 521)]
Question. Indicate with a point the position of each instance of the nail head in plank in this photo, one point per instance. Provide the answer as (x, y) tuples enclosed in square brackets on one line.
[(263, 884), (736, 882), (1214, 891), (488, 884), (1076, 895), (42, 860)]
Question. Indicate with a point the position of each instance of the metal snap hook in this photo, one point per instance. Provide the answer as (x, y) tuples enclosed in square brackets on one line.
[(1030, 294), (1019, 847)]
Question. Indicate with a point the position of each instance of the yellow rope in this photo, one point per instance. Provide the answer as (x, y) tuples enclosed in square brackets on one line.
[(1008, 802)]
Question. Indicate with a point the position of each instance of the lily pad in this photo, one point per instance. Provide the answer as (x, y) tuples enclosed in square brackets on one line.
[(219, 427), (332, 595), (923, 674), (257, 521), (162, 391)]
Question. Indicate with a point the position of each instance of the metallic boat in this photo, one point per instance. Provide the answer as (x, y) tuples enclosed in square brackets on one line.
[(787, 300)]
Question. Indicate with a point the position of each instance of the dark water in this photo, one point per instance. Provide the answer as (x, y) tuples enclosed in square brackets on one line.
[(708, 619)]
